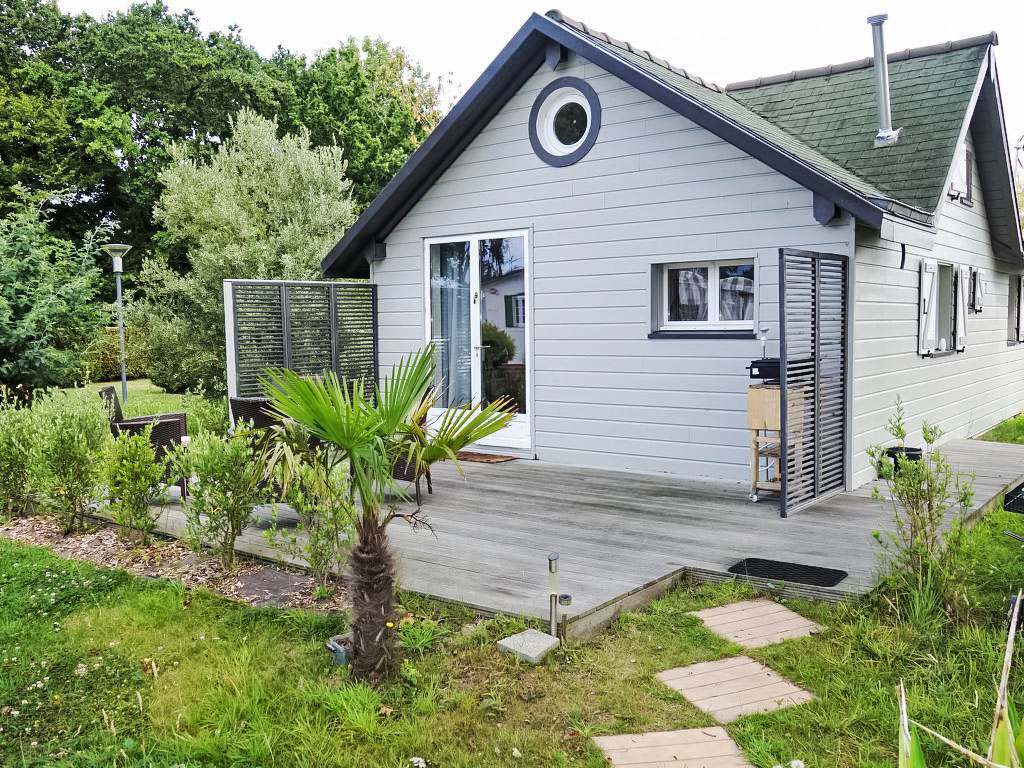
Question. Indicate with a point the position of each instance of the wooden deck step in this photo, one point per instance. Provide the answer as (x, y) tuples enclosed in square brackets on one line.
[(756, 623), (731, 688), (691, 748)]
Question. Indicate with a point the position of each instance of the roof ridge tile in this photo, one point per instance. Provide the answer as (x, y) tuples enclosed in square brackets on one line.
[(579, 26), (849, 66)]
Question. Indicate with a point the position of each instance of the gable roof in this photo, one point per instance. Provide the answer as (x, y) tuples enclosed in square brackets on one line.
[(836, 114), (789, 122)]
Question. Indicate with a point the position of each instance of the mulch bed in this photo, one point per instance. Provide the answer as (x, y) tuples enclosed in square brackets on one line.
[(253, 582)]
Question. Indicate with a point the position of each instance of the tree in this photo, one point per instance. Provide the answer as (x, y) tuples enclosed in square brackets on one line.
[(92, 107), (48, 308), (263, 207), (371, 435), (369, 99)]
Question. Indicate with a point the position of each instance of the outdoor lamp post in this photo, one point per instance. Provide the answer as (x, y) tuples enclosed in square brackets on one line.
[(117, 251)]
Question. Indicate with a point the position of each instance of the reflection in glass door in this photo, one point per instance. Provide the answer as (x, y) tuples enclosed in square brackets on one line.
[(478, 323), (451, 321)]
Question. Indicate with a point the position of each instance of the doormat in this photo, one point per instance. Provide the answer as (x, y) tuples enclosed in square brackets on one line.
[(483, 458), (1014, 500), (778, 570)]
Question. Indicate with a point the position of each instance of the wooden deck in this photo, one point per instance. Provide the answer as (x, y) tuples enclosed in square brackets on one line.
[(623, 537)]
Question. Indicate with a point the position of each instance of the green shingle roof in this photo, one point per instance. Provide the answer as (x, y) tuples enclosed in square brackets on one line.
[(827, 118), (837, 116)]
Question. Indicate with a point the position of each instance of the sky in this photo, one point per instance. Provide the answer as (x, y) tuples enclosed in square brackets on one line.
[(722, 41)]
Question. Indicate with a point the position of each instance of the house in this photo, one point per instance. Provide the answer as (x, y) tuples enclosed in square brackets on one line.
[(643, 232)]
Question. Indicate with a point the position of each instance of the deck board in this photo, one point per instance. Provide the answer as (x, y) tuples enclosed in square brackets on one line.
[(617, 532)]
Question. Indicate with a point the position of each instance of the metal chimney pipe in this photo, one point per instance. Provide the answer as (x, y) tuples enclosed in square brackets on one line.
[(886, 135)]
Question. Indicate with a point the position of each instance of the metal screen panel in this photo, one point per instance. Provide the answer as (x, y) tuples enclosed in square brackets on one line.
[(813, 373), (356, 324), (259, 334), (310, 343), (308, 327)]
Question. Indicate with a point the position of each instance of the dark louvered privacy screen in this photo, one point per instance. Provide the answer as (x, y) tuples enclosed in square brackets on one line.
[(308, 327), (813, 375)]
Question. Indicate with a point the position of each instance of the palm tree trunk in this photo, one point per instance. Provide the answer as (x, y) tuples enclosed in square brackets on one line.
[(373, 603)]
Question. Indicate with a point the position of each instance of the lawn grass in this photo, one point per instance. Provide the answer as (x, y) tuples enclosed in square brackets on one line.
[(254, 687), (1009, 431), (145, 398)]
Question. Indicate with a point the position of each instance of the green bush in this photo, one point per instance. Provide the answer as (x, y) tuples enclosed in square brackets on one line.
[(103, 358), (71, 432), (133, 478), (928, 569), (316, 486), (15, 457), (227, 482), (48, 300)]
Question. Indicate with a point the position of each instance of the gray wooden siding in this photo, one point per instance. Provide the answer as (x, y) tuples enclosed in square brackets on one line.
[(654, 188), (965, 394)]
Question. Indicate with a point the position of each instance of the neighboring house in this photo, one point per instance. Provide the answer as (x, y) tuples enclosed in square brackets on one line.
[(666, 224)]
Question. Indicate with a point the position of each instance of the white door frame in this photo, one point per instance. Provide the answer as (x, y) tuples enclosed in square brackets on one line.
[(518, 434)]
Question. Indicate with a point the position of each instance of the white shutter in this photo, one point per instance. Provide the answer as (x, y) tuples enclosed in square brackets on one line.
[(928, 330), (978, 299), (961, 290), (1020, 308)]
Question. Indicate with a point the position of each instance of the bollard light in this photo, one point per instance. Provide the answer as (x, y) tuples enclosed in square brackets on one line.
[(116, 251)]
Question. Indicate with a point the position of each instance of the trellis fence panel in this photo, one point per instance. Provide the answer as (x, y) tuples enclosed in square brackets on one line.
[(308, 327)]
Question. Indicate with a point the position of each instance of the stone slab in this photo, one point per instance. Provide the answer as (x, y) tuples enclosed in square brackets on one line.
[(731, 688), (691, 748), (530, 645), (756, 623)]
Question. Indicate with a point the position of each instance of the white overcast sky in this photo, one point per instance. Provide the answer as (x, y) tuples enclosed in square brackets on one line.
[(723, 41)]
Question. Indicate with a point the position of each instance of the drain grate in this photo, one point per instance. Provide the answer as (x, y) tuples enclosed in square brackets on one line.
[(779, 570), (1014, 500)]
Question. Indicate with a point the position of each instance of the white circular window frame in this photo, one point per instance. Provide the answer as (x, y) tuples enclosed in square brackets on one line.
[(546, 120), (557, 94)]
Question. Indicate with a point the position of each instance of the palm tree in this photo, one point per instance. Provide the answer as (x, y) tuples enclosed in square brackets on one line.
[(372, 434)]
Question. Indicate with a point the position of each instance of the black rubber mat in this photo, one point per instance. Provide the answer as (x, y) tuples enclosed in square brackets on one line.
[(778, 570), (1013, 501)]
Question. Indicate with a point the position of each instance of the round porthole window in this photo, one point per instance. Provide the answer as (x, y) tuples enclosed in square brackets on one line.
[(564, 121)]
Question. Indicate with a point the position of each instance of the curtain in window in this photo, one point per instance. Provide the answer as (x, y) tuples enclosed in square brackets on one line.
[(736, 298), (688, 293), (450, 321)]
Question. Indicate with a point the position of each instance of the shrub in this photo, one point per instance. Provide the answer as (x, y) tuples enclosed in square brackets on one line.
[(15, 457), (927, 561), (48, 306), (206, 413), (228, 481), (71, 431), (133, 478), (316, 486), (103, 358)]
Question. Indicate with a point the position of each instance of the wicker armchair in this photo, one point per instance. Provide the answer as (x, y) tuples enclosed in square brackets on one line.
[(406, 471), (168, 429), (253, 409)]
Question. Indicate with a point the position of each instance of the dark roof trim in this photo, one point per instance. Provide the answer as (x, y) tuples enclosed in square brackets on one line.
[(833, 69), (516, 63), (992, 153), (726, 129)]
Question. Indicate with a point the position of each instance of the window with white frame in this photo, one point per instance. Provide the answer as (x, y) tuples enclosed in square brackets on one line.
[(515, 310), (707, 295), (948, 293), (1015, 310)]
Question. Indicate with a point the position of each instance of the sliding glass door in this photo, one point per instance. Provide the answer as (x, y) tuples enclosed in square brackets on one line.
[(477, 321)]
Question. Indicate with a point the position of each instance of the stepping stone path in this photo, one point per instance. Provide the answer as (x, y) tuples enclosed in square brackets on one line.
[(756, 623), (692, 748), (733, 687), (726, 689)]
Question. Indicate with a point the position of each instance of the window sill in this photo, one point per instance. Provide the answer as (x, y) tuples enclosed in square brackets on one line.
[(947, 353), (710, 333)]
